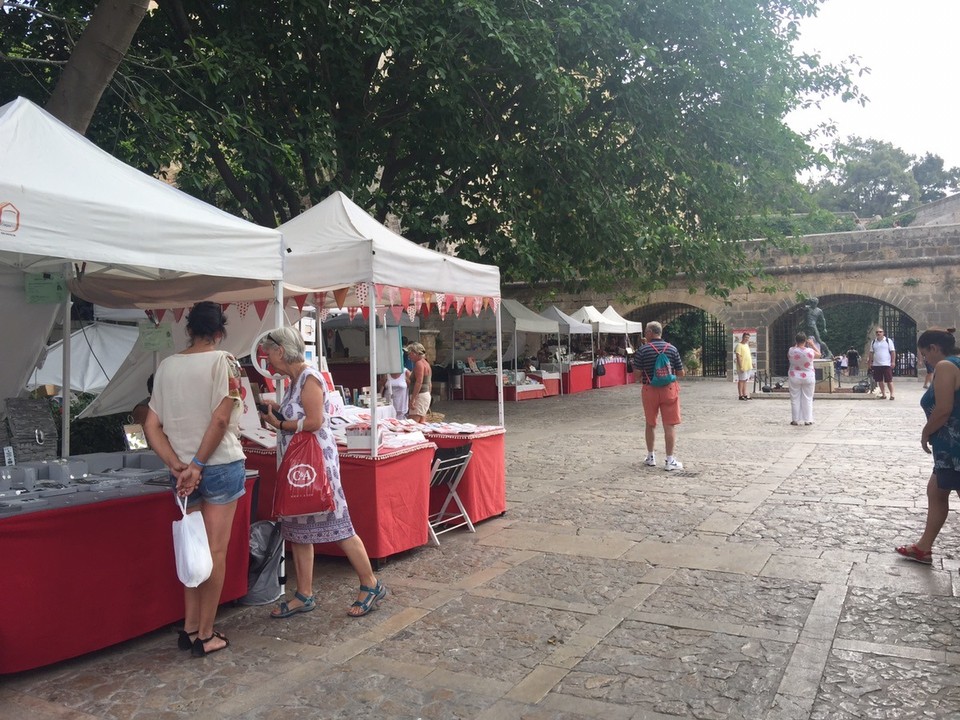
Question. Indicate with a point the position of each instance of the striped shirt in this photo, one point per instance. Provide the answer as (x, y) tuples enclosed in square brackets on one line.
[(646, 357)]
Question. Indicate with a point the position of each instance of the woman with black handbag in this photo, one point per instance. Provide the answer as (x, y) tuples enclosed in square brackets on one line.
[(306, 408)]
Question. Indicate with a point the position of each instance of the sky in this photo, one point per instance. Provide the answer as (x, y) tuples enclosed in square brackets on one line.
[(911, 48)]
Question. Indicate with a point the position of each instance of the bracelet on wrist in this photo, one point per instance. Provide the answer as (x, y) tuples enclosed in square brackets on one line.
[(197, 462)]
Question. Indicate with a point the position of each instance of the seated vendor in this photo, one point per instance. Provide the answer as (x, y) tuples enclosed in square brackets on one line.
[(139, 412)]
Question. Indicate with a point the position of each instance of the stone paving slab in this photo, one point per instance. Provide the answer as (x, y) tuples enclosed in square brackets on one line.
[(757, 584)]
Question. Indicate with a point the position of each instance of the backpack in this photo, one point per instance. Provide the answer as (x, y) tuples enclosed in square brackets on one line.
[(662, 370)]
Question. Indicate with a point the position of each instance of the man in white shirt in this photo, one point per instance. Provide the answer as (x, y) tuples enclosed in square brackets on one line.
[(881, 360)]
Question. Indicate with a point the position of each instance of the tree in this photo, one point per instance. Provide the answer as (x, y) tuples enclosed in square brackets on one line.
[(873, 177), (602, 142)]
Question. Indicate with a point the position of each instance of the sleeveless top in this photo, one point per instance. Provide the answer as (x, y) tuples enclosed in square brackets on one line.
[(946, 440)]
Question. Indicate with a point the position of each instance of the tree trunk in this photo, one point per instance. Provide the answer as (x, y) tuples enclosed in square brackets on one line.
[(94, 60)]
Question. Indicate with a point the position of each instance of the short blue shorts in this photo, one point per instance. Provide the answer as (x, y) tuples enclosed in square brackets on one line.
[(947, 479), (220, 484)]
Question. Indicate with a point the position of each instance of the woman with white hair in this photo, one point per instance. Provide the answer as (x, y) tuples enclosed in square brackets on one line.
[(307, 408)]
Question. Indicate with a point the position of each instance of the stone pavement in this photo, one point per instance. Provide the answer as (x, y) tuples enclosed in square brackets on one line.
[(757, 583)]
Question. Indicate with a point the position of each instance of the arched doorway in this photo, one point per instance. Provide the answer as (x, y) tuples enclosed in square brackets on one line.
[(696, 334), (850, 320)]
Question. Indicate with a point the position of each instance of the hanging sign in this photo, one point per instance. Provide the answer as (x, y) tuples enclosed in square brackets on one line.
[(154, 338), (44, 288)]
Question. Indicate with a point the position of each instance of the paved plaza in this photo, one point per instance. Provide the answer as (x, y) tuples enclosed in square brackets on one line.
[(758, 583)]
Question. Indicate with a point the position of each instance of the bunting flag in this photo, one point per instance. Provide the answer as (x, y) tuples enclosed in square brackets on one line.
[(323, 314), (378, 291), (261, 307), (242, 308), (320, 299), (425, 310), (365, 311), (486, 303), (360, 289), (396, 311), (442, 309), (417, 298), (428, 297), (450, 301), (224, 306), (382, 315), (351, 313), (178, 313), (477, 305), (159, 313), (340, 296), (496, 304), (411, 312), (405, 296), (459, 300), (440, 299), (300, 300), (393, 295)]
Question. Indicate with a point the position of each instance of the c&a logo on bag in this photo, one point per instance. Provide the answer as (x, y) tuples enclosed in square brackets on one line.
[(301, 475)]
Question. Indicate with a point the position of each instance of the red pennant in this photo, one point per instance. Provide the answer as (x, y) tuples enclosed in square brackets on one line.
[(159, 314), (300, 300), (451, 301), (365, 311), (261, 307), (224, 306), (340, 296), (405, 296), (396, 311), (351, 313), (425, 310), (378, 290), (178, 313)]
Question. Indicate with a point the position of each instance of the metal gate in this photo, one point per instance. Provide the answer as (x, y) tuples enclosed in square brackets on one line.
[(691, 330), (851, 322)]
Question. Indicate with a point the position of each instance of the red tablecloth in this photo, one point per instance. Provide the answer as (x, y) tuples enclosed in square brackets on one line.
[(387, 497), (483, 386), (483, 489), (578, 378), (616, 373), (551, 385), (83, 578)]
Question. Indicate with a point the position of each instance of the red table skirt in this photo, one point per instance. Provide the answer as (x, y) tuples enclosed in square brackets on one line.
[(551, 386), (616, 374), (483, 489), (83, 578), (578, 379), (484, 387), (387, 497)]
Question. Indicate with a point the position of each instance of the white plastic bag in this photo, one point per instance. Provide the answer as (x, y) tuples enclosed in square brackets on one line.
[(190, 546)]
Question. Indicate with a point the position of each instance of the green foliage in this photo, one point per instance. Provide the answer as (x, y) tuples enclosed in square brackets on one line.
[(815, 222), (605, 142), (97, 434)]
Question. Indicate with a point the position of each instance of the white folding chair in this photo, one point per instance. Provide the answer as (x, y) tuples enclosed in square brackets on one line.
[(448, 467)]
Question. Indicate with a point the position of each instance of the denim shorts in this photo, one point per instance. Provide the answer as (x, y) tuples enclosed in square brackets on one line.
[(220, 484)]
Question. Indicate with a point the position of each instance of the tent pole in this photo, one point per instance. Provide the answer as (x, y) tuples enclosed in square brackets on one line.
[(372, 327), (516, 367), (499, 368), (65, 373)]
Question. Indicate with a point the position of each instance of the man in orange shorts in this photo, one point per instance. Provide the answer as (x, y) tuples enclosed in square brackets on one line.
[(661, 391)]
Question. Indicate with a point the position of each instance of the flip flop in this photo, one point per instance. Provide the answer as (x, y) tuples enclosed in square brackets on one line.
[(283, 610)]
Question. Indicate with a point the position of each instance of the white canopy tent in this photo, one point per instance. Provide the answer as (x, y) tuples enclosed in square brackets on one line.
[(69, 209), (336, 244), (515, 318), (599, 322), (631, 325), (570, 326), (97, 351)]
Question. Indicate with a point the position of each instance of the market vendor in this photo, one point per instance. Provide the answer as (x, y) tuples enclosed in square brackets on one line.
[(420, 383)]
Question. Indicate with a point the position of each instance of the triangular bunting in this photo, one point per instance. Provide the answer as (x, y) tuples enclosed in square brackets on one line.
[(351, 313), (224, 306), (340, 296), (417, 298), (261, 307), (486, 303), (411, 312), (496, 304), (396, 311), (393, 295), (450, 301), (405, 296), (178, 313), (477, 305), (425, 309), (300, 300), (365, 311), (442, 309), (323, 314), (360, 289), (159, 313), (320, 299), (378, 291), (242, 308), (382, 316)]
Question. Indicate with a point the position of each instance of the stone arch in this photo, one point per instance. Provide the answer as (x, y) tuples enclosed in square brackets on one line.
[(700, 335)]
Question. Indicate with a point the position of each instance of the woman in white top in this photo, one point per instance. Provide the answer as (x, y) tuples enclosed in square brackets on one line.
[(193, 425), (802, 379)]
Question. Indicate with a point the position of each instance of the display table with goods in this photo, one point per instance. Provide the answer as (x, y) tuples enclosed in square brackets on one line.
[(389, 495), (577, 376), (87, 556), (549, 380), (516, 386), (615, 372)]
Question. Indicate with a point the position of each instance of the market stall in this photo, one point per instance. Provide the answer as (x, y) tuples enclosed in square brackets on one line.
[(74, 582), (602, 325), (575, 376)]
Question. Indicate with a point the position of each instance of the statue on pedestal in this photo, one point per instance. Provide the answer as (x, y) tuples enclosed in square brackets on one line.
[(814, 316)]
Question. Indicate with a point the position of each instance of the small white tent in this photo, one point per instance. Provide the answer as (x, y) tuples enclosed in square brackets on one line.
[(631, 325), (589, 314), (69, 208), (568, 325), (516, 319), (97, 351)]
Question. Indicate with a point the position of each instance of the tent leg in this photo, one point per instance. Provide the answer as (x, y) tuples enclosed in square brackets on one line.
[(65, 377), (499, 369)]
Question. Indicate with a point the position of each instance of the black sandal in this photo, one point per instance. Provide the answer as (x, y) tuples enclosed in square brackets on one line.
[(198, 650), (184, 641)]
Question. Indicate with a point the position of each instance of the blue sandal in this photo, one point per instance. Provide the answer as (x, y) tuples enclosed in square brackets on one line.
[(371, 601), (283, 610)]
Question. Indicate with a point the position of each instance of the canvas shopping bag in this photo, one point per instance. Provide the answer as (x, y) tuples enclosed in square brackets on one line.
[(302, 486), (190, 547)]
